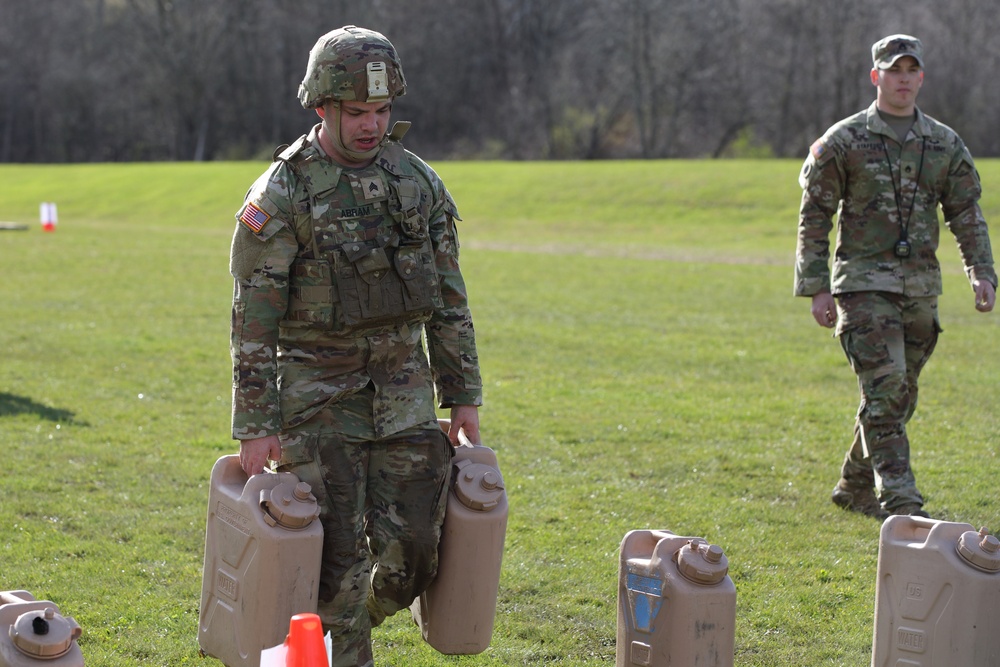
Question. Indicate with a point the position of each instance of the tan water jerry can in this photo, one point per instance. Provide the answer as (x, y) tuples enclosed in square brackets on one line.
[(937, 595), (263, 547), (676, 602), (456, 613), (32, 632)]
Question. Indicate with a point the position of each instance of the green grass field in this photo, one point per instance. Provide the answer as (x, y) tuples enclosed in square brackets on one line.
[(645, 364)]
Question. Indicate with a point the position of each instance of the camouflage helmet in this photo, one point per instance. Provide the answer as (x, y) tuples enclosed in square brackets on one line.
[(352, 64)]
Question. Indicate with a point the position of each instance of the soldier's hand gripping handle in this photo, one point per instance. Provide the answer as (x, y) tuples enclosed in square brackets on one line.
[(464, 418), (256, 452)]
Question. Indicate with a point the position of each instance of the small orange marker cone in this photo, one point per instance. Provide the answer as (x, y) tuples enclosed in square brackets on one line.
[(305, 644)]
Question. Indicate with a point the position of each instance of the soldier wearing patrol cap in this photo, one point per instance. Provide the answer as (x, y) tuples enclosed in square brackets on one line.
[(884, 173), (345, 259)]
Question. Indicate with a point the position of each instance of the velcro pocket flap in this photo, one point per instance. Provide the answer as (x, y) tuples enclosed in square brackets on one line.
[(408, 262), (374, 261), (355, 250)]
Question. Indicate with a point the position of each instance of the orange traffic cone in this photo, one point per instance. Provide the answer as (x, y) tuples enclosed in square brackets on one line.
[(305, 644)]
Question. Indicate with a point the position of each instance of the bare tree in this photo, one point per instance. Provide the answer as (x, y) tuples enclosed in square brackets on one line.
[(524, 79), (958, 52)]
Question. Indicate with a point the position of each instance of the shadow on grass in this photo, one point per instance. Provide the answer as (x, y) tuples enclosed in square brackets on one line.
[(11, 405)]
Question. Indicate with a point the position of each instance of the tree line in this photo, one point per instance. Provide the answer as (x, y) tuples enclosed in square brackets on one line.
[(128, 80)]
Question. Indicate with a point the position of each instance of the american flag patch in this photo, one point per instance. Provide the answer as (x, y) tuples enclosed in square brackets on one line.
[(817, 149), (254, 218)]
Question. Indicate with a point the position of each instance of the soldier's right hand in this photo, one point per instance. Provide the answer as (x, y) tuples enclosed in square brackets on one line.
[(824, 309), (256, 452)]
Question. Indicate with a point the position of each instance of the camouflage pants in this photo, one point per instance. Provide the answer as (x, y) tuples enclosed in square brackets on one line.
[(382, 504), (887, 339)]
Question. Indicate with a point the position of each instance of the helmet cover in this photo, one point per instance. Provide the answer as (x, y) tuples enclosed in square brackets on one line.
[(352, 64)]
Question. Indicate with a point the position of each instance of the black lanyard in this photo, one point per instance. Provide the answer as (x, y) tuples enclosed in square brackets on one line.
[(904, 226)]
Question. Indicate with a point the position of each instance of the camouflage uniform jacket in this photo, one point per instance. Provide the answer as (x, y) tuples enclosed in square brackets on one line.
[(292, 354), (849, 169)]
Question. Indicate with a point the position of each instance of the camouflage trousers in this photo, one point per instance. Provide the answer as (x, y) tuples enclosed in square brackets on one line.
[(888, 339), (382, 504)]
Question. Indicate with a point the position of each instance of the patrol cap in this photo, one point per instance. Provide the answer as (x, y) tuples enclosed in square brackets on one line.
[(889, 49)]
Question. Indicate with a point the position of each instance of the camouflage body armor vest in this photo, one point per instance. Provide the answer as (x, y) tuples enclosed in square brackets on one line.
[(365, 263)]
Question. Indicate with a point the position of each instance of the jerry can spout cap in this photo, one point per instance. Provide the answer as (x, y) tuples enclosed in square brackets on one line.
[(701, 562), (478, 486), (289, 505), (981, 550), (44, 634)]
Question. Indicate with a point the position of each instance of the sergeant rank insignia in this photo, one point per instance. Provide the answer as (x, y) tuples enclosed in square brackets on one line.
[(371, 187)]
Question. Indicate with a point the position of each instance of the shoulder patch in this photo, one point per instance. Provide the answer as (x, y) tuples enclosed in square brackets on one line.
[(818, 150), (254, 218), (260, 216)]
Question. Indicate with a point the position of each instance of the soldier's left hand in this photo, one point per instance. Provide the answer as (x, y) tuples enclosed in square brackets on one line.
[(986, 296)]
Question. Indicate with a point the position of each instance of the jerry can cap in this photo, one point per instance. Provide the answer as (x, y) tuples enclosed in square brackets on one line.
[(701, 562), (478, 486), (289, 505), (44, 634), (981, 550)]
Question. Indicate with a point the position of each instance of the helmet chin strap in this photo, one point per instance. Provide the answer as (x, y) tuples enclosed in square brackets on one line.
[(338, 142)]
